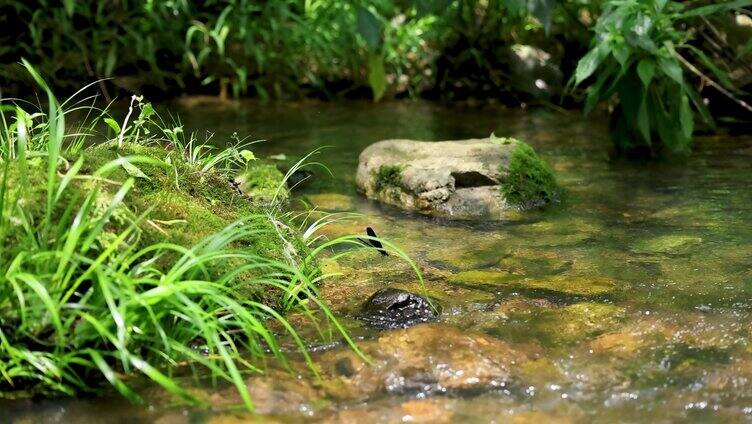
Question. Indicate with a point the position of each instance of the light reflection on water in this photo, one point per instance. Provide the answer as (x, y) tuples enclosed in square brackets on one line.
[(669, 243)]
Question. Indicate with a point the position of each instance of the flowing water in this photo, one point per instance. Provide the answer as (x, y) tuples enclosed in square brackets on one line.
[(627, 301)]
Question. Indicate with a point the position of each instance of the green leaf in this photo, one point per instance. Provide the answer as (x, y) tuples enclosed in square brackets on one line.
[(112, 124), (369, 28), (700, 106), (247, 155), (671, 68), (112, 377), (595, 92), (686, 117), (70, 6), (646, 71), (590, 62), (719, 74), (133, 170), (715, 8), (376, 75), (643, 120), (111, 61), (621, 52), (147, 110)]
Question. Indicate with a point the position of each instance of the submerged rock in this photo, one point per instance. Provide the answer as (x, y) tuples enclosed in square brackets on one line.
[(425, 359), (562, 284), (559, 326), (670, 244), (395, 308), (468, 179), (331, 201)]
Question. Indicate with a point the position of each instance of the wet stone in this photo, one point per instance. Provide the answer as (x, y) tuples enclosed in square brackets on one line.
[(395, 308), (423, 359)]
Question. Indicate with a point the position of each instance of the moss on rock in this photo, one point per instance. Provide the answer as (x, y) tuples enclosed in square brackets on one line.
[(263, 183), (669, 244), (529, 181), (563, 285), (388, 176), (562, 326)]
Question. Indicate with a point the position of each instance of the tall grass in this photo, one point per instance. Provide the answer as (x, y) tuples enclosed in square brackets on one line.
[(84, 300)]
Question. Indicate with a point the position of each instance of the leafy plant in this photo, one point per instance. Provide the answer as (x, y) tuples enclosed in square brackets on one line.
[(637, 59)]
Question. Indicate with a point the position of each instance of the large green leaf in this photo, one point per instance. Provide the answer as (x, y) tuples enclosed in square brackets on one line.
[(376, 75), (369, 28), (590, 62)]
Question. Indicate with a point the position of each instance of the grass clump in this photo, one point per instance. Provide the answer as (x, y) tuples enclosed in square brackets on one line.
[(388, 176), (117, 258), (529, 181)]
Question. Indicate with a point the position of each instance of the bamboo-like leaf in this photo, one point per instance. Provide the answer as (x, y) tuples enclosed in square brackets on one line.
[(376, 75), (686, 117), (369, 28)]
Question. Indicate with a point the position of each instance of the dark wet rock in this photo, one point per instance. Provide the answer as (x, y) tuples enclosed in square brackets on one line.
[(395, 308), (468, 179)]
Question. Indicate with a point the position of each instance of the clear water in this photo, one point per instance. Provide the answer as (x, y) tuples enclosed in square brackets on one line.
[(660, 253)]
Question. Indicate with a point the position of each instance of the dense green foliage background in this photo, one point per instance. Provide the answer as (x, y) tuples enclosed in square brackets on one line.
[(514, 51), (289, 48)]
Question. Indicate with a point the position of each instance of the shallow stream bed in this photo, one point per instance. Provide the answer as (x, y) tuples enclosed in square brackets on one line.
[(630, 300)]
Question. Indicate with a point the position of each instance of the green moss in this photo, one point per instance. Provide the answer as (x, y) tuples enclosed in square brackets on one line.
[(562, 326), (483, 278), (565, 285), (529, 181), (388, 176), (263, 183), (670, 244)]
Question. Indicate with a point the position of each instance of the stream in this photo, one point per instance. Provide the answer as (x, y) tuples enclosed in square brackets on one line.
[(627, 301)]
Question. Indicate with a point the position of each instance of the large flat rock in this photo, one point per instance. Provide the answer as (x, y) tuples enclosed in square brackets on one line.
[(466, 179)]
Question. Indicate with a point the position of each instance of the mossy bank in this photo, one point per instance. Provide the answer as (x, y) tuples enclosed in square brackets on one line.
[(171, 201)]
